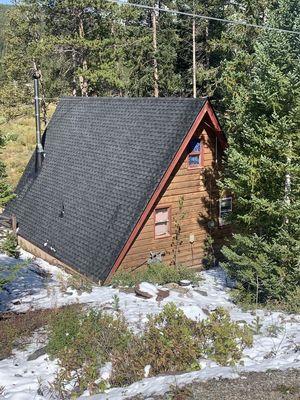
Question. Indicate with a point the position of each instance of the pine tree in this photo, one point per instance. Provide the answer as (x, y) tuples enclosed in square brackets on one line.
[(6, 193), (263, 166)]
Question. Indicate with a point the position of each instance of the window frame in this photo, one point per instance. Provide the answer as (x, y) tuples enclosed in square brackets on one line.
[(168, 208), (195, 153), (222, 222)]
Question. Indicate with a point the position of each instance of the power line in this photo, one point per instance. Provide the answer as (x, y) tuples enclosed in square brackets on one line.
[(187, 14)]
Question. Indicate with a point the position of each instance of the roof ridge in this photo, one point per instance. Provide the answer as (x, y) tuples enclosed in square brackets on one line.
[(169, 98)]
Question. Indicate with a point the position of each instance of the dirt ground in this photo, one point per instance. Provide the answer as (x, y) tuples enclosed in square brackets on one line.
[(273, 385)]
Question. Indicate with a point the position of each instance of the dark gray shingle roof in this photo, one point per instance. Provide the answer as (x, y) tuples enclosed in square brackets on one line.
[(104, 159)]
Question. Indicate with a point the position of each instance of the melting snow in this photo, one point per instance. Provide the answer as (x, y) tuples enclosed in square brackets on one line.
[(39, 285)]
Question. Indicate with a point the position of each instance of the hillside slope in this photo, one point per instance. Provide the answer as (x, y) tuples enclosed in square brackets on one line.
[(19, 139), (3, 19)]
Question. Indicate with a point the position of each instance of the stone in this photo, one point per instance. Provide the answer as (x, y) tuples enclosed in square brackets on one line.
[(38, 353), (185, 282), (202, 292), (146, 290), (171, 285), (162, 294)]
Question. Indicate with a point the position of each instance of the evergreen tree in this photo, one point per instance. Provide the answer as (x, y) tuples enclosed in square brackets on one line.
[(263, 167), (6, 193)]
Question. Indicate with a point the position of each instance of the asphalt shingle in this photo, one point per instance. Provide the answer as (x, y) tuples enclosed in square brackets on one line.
[(104, 159)]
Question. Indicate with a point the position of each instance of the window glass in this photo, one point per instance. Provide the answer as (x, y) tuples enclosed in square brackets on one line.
[(161, 229), (225, 208), (194, 157), (226, 204), (161, 215), (195, 145), (162, 222)]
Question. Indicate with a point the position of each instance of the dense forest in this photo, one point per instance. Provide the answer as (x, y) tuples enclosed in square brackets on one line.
[(101, 48)]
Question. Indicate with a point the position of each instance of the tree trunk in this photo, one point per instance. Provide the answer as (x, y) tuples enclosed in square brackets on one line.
[(74, 84), (155, 64), (194, 60), (82, 79), (287, 183)]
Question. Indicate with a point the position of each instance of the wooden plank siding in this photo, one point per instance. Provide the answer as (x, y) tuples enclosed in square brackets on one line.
[(197, 194)]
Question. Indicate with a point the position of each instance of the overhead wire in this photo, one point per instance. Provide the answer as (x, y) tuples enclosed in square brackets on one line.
[(201, 16)]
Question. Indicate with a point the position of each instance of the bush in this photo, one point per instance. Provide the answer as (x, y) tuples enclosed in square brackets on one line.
[(10, 245), (16, 329), (223, 339), (83, 342), (159, 274), (8, 273), (172, 342)]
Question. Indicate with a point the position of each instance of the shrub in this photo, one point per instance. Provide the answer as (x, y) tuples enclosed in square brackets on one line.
[(223, 339), (83, 342), (168, 344), (8, 273), (172, 342), (159, 274), (16, 329), (10, 245)]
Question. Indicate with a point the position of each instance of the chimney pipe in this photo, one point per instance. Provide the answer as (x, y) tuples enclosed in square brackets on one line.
[(39, 147)]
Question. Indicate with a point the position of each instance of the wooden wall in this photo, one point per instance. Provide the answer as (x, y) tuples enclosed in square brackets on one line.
[(199, 206)]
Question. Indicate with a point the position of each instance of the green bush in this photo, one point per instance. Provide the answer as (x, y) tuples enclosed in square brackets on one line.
[(10, 245), (83, 342), (224, 340), (170, 342), (159, 274)]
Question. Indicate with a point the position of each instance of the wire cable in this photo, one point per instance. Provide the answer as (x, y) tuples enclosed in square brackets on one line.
[(187, 14)]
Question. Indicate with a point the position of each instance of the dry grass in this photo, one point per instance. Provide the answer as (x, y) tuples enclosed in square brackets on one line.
[(16, 329), (20, 145)]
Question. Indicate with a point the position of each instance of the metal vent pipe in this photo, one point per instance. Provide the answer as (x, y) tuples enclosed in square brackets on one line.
[(39, 147)]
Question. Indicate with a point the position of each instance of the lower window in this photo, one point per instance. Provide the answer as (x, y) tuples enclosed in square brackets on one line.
[(162, 222)]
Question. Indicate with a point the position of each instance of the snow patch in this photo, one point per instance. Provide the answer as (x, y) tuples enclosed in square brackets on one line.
[(276, 344)]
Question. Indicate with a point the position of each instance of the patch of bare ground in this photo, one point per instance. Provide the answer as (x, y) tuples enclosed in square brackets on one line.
[(271, 385), (16, 329)]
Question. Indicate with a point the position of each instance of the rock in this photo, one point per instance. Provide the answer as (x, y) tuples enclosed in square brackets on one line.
[(147, 370), (171, 285), (39, 271), (185, 282), (16, 302), (202, 292), (38, 353), (182, 290), (162, 294), (126, 290), (146, 290)]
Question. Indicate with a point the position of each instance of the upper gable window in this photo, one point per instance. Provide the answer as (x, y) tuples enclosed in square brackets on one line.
[(162, 222), (194, 155)]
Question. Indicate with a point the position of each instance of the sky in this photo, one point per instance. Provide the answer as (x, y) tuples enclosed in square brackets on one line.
[(5, 1)]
